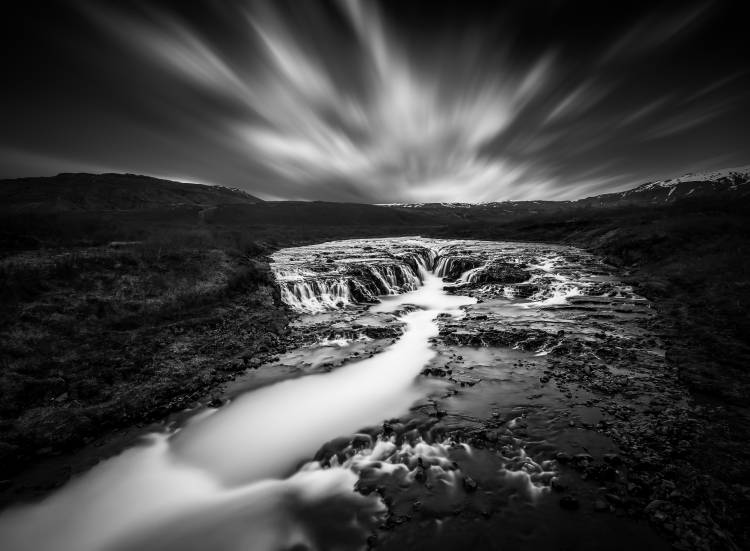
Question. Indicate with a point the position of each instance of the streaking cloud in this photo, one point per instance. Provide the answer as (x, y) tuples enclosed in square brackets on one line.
[(359, 100), (411, 133), (406, 131)]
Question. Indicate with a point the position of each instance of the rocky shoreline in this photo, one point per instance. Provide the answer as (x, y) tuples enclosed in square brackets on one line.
[(613, 388)]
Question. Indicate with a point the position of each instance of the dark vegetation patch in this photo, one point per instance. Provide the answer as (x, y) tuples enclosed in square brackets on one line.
[(96, 338)]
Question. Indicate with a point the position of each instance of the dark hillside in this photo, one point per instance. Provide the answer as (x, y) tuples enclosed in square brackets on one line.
[(316, 213), (106, 192)]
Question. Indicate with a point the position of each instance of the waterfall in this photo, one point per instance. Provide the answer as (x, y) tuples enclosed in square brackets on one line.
[(315, 295), (334, 281), (470, 276), (317, 278), (453, 267)]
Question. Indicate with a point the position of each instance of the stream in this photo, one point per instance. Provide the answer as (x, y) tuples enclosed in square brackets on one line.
[(441, 395)]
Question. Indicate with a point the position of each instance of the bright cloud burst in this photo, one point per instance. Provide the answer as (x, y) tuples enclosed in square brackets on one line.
[(409, 131), (338, 102), (405, 134)]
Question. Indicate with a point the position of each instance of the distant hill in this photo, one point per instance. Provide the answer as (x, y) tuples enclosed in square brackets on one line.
[(141, 195), (315, 213), (111, 192), (466, 212), (727, 183)]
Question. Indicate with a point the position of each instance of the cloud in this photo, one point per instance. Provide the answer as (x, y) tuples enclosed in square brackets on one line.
[(685, 121), (652, 32), (714, 86), (406, 132), (334, 100), (582, 98), (644, 111)]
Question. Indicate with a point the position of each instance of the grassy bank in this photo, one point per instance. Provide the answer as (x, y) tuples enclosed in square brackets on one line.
[(116, 318), (96, 338)]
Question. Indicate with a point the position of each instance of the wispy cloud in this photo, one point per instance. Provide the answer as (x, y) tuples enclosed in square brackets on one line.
[(334, 101), (643, 111), (653, 31), (410, 131), (685, 121), (582, 98)]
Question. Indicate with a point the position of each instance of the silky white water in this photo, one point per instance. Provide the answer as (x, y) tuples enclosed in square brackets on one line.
[(219, 483)]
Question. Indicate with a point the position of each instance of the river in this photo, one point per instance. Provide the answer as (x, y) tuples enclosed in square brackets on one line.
[(417, 410)]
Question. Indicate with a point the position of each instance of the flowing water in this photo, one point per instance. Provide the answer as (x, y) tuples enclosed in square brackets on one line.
[(328, 457)]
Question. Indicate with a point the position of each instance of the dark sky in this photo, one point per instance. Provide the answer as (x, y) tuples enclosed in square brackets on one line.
[(399, 100)]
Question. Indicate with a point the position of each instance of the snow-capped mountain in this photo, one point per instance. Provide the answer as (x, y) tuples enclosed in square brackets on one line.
[(724, 182)]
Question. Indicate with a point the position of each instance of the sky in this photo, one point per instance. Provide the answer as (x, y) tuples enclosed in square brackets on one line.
[(376, 101)]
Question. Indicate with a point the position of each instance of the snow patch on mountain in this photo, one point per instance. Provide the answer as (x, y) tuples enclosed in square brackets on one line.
[(735, 176)]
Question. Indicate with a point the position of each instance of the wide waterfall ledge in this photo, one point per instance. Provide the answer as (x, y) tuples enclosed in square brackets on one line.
[(327, 276)]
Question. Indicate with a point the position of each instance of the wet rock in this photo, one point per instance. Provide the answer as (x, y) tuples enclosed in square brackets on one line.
[(582, 460), (501, 272), (654, 505), (614, 499), (419, 474), (612, 459), (603, 473), (215, 402), (470, 484), (557, 485), (636, 490), (562, 457), (525, 290), (361, 441)]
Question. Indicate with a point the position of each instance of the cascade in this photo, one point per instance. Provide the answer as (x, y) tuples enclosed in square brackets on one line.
[(335, 284)]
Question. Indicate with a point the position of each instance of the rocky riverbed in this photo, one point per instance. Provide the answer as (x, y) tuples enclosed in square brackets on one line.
[(557, 371), (438, 394)]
